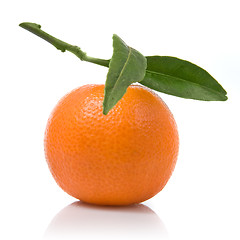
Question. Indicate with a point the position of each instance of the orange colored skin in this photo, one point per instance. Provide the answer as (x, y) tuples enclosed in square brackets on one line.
[(121, 158)]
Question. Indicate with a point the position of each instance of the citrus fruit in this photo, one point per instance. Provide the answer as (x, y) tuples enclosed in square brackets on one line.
[(121, 158)]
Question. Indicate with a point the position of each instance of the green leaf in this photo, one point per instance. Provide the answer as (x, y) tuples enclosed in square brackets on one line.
[(181, 78), (165, 74), (126, 67)]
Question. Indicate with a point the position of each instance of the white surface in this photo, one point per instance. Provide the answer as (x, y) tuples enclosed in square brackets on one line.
[(201, 200)]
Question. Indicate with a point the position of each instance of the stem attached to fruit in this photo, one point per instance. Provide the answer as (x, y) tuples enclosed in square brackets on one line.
[(62, 46)]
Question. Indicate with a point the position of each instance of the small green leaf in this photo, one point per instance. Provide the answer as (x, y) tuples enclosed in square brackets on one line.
[(181, 78), (126, 67)]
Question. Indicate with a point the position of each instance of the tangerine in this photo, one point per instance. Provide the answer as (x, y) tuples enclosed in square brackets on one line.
[(121, 158)]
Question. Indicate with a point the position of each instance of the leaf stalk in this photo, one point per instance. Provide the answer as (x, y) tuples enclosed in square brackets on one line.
[(61, 45)]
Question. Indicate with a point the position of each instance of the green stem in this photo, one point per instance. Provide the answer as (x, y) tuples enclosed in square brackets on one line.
[(62, 46)]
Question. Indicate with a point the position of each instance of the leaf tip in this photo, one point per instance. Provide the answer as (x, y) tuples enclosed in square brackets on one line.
[(115, 36), (226, 97), (105, 110)]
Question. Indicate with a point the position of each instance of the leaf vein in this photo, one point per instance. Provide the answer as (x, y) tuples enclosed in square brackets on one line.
[(124, 66), (183, 80)]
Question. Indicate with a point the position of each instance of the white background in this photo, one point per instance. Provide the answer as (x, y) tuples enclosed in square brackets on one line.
[(201, 200)]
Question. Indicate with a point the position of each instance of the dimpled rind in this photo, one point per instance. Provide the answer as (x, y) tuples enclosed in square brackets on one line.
[(124, 157)]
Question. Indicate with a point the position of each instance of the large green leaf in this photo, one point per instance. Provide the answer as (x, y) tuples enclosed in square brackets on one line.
[(181, 78), (126, 67)]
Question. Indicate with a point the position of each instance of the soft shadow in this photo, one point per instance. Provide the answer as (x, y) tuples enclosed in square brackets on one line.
[(83, 221)]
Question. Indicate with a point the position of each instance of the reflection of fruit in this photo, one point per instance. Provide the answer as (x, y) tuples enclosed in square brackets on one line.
[(84, 221), (122, 158)]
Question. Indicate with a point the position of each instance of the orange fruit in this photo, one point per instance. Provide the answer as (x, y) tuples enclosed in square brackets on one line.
[(121, 158)]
